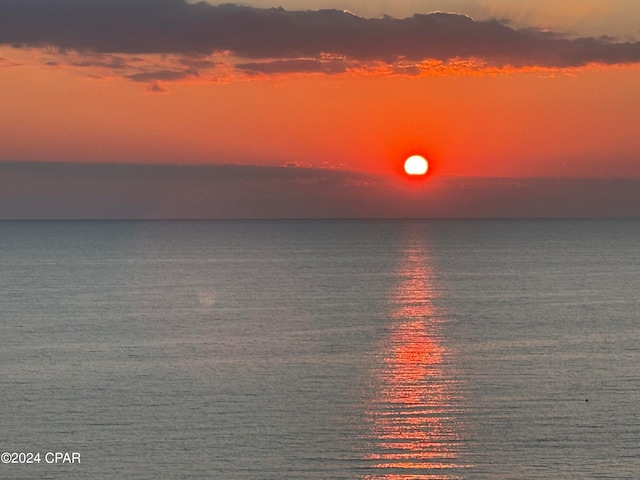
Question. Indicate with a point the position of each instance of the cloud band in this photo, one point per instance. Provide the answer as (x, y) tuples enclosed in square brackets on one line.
[(179, 27)]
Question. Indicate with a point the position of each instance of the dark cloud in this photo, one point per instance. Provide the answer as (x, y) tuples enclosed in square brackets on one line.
[(178, 27), (88, 191), (92, 191), (113, 62), (292, 171), (294, 66), (160, 75), (155, 88), (196, 62)]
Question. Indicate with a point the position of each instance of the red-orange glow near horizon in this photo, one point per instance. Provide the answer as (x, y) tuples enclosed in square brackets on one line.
[(485, 125)]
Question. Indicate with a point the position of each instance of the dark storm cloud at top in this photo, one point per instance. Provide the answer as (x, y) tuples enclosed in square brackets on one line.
[(179, 27)]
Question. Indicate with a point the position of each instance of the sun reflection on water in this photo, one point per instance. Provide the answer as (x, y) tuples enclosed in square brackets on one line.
[(416, 430)]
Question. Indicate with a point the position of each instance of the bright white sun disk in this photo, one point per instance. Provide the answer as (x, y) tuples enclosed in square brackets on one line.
[(416, 165)]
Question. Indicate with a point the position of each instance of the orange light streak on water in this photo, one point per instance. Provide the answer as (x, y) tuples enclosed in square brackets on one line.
[(415, 429)]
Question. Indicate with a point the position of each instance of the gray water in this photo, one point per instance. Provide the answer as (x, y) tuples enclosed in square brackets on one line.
[(321, 349)]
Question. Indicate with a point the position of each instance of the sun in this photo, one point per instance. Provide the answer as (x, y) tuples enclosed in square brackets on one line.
[(416, 165)]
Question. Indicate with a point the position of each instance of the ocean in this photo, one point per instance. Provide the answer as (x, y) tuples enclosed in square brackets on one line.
[(347, 349)]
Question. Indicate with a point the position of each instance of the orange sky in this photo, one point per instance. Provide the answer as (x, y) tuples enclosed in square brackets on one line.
[(581, 123), (469, 118)]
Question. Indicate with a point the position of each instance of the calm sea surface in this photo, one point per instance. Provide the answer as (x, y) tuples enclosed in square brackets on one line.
[(321, 349)]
